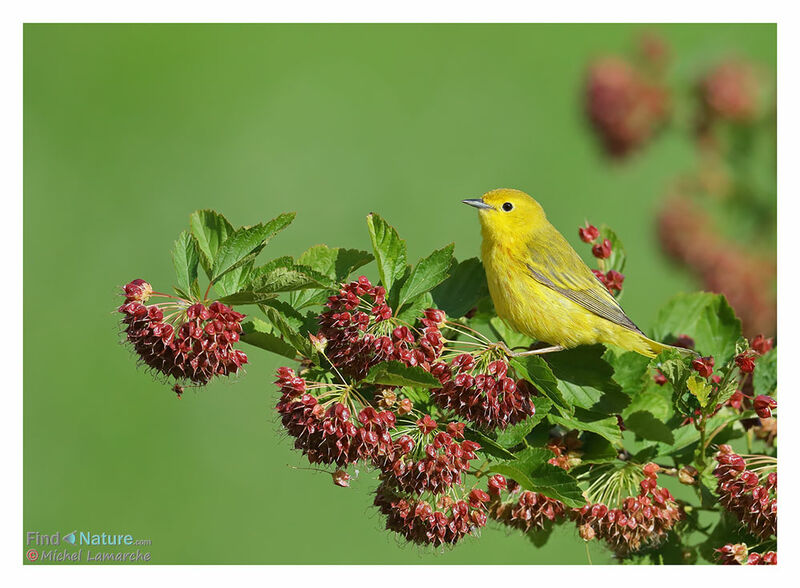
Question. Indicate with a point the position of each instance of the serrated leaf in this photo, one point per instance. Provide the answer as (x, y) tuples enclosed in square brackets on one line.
[(412, 311), (597, 449), (300, 342), (259, 334), (514, 434), (585, 420), (396, 373), (428, 273), (246, 243), (210, 229), (542, 477), (630, 370), (647, 426), (461, 292), (586, 379), (389, 250), (707, 318), (536, 371), (699, 388), (185, 259), (765, 376), (335, 263)]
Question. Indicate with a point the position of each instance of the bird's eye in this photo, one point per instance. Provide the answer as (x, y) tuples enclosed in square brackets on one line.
[(508, 207)]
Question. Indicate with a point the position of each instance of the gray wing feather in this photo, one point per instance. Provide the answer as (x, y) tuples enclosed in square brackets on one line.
[(602, 306)]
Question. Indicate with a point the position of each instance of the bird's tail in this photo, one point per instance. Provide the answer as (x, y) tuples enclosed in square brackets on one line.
[(650, 348)]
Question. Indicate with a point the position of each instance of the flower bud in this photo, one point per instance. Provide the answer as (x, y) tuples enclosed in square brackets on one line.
[(746, 362), (687, 475), (588, 233), (602, 250), (764, 405), (341, 478)]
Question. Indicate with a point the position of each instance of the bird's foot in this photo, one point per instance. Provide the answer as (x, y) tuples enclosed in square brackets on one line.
[(541, 351)]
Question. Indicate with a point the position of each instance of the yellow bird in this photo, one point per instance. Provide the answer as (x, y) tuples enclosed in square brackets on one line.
[(541, 287)]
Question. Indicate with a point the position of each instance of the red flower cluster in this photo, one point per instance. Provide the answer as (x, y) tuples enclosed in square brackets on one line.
[(487, 397), (523, 510), (625, 108), (193, 343), (438, 469), (358, 335), (641, 521), (742, 493), (737, 555), (329, 435), (446, 522), (746, 278), (730, 91)]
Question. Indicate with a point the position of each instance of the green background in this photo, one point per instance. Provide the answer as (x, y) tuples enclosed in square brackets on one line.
[(129, 128)]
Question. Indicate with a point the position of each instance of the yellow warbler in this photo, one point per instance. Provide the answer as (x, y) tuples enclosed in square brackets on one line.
[(540, 285)]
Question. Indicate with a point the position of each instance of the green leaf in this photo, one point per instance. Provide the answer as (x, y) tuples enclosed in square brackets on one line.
[(333, 262), (389, 250), (699, 388), (654, 399), (235, 280), (597, 449), (210, 229), (279, 277), (412, 311), (765, 376), (514, 434), (707, 318), (488, 445), (461, 292), (532, 472), (675, 368), (617, 259), (245, 244), (586, 379), (396, 373), (246, 297), (259, 334), (647, 426), (185, 259), (428, 273), (630, 370), (594, 422), (291, 335), (535, 370)]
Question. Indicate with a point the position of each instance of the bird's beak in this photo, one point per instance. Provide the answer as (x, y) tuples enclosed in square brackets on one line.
[(477, 203)]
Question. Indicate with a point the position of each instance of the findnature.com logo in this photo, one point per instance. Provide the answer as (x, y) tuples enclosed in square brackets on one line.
[(85, 538)]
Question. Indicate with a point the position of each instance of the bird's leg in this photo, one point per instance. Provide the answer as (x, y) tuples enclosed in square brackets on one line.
[(504, 348), (538, 351)]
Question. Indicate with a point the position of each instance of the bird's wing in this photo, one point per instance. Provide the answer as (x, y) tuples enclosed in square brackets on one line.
[(557, 266)]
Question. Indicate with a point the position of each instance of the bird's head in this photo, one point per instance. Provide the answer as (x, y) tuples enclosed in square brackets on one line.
[(507, 213)]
